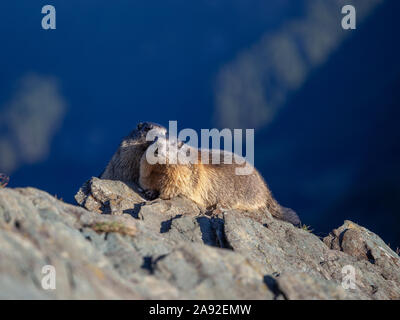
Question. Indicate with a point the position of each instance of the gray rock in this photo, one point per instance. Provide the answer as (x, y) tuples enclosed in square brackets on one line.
[(117, 245), (300, 286), (365, 245), (203, 272), (113, 197)]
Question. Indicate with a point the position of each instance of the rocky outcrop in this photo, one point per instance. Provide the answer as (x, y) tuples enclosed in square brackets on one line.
[(117, 245)]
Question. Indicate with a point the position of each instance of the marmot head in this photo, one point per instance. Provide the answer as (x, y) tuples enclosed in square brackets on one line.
[(125, 163), (142, 135), (170, 150)]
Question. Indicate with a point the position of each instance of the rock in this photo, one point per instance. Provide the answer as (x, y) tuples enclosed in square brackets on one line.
[(365, 245), (202, 272), (300, 286), (113, 197), (117, 245)]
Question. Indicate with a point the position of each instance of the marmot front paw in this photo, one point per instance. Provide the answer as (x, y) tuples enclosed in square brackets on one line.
[(151, 194)]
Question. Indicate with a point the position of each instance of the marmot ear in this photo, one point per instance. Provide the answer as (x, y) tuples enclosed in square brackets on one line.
[(140, 126)]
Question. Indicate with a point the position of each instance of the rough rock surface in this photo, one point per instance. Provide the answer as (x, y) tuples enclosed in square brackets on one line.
[(120, 246)]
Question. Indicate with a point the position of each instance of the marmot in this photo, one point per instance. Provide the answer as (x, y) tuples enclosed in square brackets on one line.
[(206, 184)]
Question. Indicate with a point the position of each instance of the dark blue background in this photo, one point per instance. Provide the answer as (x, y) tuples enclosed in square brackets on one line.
[(331, 152)]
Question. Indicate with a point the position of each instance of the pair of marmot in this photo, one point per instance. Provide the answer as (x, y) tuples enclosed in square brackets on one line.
[(206, 184)]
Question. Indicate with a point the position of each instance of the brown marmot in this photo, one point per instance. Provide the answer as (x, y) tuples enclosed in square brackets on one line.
[(208, 185)]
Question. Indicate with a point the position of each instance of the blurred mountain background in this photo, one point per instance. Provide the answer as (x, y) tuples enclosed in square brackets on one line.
[(324, 101)]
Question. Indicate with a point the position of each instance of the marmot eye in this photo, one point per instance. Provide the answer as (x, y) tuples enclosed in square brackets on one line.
[(140, 126)]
